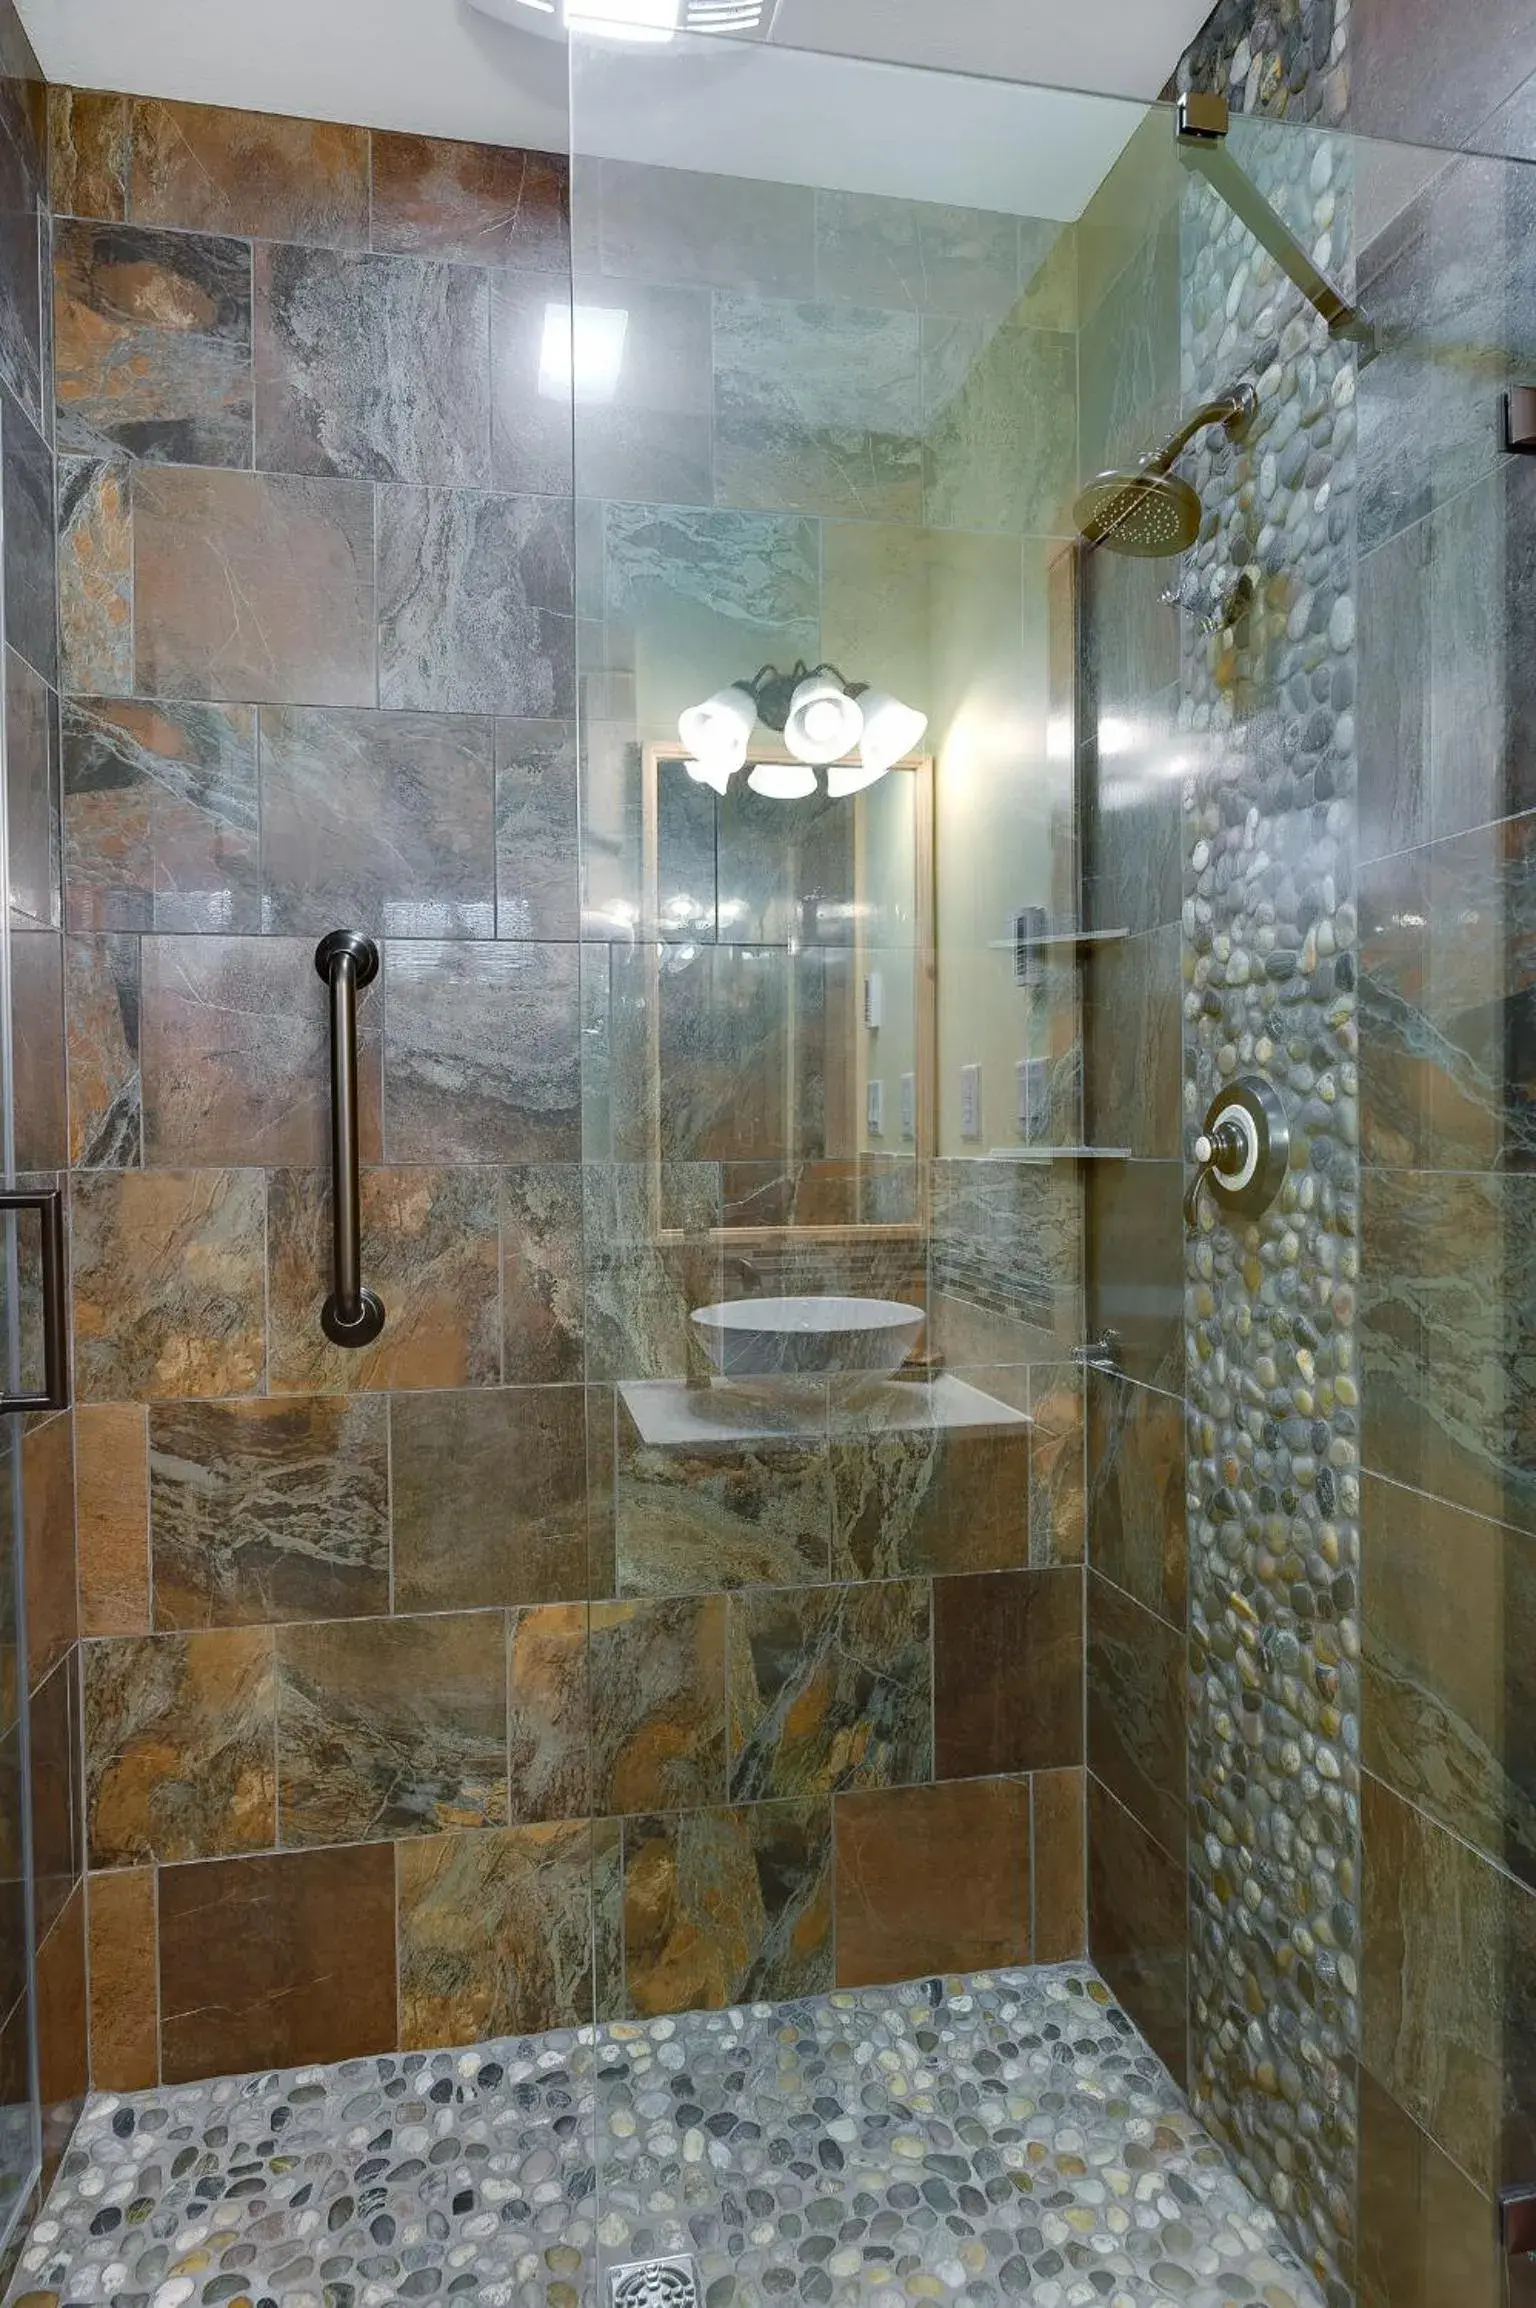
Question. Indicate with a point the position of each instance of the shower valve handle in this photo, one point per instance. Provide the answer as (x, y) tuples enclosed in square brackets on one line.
[(1243, 1152)]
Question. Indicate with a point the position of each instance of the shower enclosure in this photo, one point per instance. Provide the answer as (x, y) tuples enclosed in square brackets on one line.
[(820, 1513)]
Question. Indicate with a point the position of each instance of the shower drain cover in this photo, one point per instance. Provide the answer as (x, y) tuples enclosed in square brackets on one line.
[(654, 2284)]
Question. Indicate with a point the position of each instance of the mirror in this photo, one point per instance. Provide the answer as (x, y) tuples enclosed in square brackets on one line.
[(778, 1015)]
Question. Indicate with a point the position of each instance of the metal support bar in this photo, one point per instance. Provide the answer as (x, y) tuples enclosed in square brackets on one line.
[(351, 1316), (49, 1205), (1202, 133)]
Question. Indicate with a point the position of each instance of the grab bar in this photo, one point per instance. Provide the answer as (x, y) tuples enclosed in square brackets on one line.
[(351, 1316), (49, 1205)]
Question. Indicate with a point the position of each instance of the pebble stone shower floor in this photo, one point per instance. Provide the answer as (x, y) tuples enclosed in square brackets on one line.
[(1002, 2138)]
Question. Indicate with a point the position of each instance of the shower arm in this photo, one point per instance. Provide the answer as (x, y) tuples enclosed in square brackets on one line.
[(1233, 410), (1202, 131)]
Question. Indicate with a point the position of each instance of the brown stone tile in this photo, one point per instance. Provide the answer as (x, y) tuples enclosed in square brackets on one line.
[(276, 1961), (431, 1250), (489, 204), (235, 1054), (932, 1879), (53, 1769), (125, 2012), (15, 1937), (1057, 1514), (482, 1051), (490, 1498), (929, 1501), (744, 1506), (1449, 1692), (1448, 2006), (48, 1491), (207, 169), (112, 1517), (1008, 1672), (256, 587), (95, 576), (725, 1907), (1060, 1866), (1137, 1925), (269, 1510), (391, 1727), (88, 147), (549, 1713), (63, 2042), (1427, 2237), (495, 1934), (1136, 1496), (179, 1745), (830, 1687), (101, 1022), (160, 816), (1136, 1712), (658, 1704), (168, 1296), (152, 344)]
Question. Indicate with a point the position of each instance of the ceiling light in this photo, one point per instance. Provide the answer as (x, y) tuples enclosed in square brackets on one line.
[(712, 773), (719, 731), (890, 730), (782, 780), (824, 721), (647, 22), (582, 352), (852, 777)]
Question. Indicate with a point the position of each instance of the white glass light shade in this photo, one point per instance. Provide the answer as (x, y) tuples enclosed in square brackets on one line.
[(711, 773), (852, 777), (624, 19), (782, 780), (824, 721), (891, 729), (719, 731)]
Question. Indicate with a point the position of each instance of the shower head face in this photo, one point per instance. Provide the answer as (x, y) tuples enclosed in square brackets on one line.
[(1150, 515)]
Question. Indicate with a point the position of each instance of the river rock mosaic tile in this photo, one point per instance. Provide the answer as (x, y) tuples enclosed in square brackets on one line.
[(1270, 1305), (1002, 2138)]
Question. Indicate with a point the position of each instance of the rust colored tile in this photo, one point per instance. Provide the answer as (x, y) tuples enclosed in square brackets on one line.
[(125, 2014), (277, 1961), (101, 1023), (253, 586), (48, 1490), (1008, 1672), (431, 1249), (63, 2058), (160, 816), (488, 204), (720, 1907), (95, 561), (1061, 1922), (112, 1517), (180, 1738), (495, 1934), (87, 153), (392, 1727), (658, 1704), (932, 1879), (1137, 1926), (549, 1723), (1057, 1514), (490, 1497), (1427, 2236), (53, 1759), (168, 1292), (1136, 1712), (210, 169)]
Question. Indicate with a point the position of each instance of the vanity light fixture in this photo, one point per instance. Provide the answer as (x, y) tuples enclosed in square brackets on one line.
[(822, 717)]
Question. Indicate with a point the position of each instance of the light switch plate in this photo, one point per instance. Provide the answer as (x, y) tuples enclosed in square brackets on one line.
[(874, 1106), (909, 1105), (970, 1101)]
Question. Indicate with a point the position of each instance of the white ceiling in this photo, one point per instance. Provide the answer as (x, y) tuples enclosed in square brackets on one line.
[(438, 67)]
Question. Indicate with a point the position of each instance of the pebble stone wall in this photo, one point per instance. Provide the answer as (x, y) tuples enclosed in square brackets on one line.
[(1269, 934)]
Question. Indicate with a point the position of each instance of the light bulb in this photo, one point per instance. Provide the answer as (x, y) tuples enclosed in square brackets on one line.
[(891, 729), (782, 780), (719, 731), (824, 721)]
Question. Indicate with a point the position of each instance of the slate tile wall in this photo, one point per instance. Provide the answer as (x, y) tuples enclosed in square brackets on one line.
[(412, 1664)]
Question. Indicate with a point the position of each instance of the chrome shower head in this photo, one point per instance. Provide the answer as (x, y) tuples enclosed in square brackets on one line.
[(1139, 511)]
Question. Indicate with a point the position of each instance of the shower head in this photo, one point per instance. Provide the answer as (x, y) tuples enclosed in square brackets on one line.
[(1139, 511), (1147, 509)]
